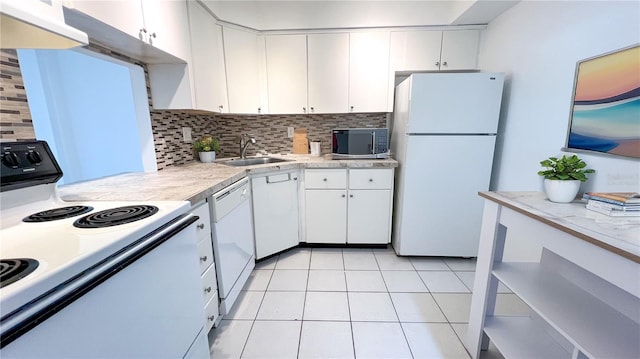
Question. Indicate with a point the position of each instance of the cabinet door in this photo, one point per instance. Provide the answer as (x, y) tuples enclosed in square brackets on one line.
[(167, 24), (275, 212), (416, 50), (286, 57), (328, 71), (369, 216), (460, 50), (207, 60), (124, 15), (326, 216), (368, 71), (243, 77)]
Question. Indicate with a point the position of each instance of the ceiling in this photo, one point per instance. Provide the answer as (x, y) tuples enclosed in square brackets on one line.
[(328, 14)]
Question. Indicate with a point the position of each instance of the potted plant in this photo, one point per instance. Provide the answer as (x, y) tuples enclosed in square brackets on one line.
[(206, 148), (562, 177)]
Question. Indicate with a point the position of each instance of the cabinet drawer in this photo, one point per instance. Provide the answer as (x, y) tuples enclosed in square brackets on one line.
[(371, 179), (211, 310), (205, 254), (325, 179), (209, 285), (203, 225)]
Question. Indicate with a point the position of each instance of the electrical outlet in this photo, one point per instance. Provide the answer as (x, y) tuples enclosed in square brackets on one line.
[(290, 132), (186, 134)]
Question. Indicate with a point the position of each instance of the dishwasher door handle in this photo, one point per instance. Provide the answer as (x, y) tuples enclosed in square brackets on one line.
[(279, 178)]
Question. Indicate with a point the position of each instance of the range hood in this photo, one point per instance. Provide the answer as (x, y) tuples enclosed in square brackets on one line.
[(23, 29)]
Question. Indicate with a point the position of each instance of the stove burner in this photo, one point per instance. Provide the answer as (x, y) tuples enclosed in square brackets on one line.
[(115, 216), (12, 270), (57, 213)]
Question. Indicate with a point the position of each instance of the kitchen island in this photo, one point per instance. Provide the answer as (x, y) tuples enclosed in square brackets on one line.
[(196, 181), (583, 292)]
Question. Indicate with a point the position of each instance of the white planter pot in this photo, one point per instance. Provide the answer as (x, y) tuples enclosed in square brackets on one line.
[(561, 191), (207, 156)]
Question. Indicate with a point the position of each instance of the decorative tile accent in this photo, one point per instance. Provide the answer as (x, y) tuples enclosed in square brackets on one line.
[(270, 131), (15, 117)]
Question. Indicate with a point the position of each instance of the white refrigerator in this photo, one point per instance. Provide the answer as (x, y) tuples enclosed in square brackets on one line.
[(443, 136)]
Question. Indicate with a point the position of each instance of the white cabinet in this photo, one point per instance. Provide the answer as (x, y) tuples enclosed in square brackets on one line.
[(207, 265), (426, 50), (368, 71), (328, 71), (208, 77), (286, 58), (241, 51), (161, 23), (348, 206), (275, 212)]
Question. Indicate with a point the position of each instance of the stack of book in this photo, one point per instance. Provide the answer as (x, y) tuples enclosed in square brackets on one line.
[(617, 204)]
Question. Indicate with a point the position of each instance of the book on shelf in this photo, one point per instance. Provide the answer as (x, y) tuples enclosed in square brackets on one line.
[(612, 212), (614, 197), (619, 207)]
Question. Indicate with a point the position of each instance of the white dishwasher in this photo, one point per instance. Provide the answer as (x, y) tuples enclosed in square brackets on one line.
[(233, 247)]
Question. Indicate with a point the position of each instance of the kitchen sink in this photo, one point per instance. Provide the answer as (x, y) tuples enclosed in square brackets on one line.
[(252, 161)]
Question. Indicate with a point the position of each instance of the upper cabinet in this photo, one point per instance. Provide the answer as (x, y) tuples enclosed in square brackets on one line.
[(368, 71), (286, 59), (163, 24), (328, 71), (241, 52), (207, 66), (426, 50)]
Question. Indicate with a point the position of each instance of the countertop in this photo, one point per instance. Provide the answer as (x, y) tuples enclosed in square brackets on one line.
[(195, 181), (620, 235)]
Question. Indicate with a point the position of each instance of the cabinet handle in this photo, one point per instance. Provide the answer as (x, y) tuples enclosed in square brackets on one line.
[(444, 63), (351, 108), (143, 30), (350, 196), (259, 109), (324, 179), (220, 107), (304, 109), (312, 110), (438, 63), (153, 35), (343, 196), (200, 226), (203, 258), (211, 318), (208, 290), (370, 179)]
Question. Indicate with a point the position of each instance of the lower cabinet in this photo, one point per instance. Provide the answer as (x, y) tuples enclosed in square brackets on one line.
[(207, 265), (348, 205), (275, 211)]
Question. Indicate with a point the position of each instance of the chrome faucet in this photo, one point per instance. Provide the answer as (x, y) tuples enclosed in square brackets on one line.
[(245, 141)]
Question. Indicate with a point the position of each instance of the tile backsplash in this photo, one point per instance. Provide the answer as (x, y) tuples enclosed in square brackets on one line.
[(15, 117), (270, 131)]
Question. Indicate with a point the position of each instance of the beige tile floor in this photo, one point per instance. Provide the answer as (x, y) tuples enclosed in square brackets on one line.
[(353, 303)]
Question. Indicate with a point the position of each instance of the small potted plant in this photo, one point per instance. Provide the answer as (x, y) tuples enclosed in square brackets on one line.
[(206, 148), (562, 177)]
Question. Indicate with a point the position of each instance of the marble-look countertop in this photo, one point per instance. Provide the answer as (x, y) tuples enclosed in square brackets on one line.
[(618, 232), (195, 181)]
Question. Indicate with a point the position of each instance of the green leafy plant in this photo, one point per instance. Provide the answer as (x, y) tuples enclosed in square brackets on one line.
[(206, 144), (565, 168)]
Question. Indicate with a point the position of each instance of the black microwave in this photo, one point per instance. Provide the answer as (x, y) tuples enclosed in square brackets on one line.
[(355, 143)]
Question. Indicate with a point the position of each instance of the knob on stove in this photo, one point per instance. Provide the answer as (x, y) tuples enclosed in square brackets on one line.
[(34, 157), (10, 159)]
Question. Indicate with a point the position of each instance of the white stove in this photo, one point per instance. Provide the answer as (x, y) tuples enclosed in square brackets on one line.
[(105, 247)]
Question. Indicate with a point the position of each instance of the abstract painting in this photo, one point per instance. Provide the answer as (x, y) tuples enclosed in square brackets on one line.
[(605, 113)]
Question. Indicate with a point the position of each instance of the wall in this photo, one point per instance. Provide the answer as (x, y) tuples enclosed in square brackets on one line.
[(15, 117), (537, 43), (270, 131)]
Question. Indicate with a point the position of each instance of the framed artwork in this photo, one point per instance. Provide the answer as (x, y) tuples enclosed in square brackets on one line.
[(605, 108)]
